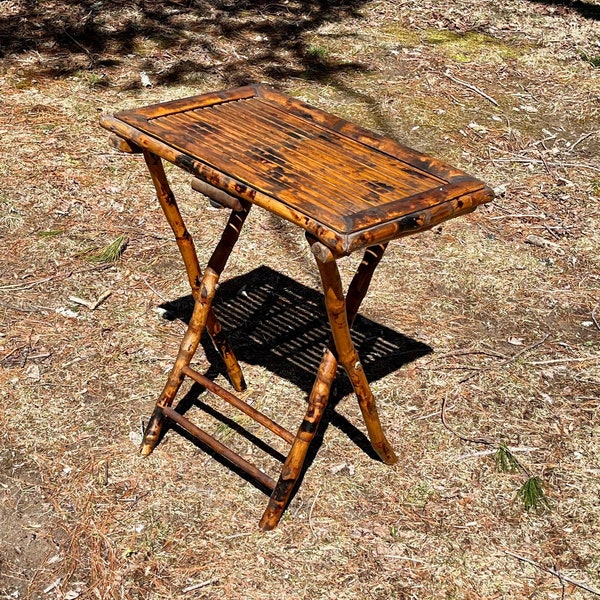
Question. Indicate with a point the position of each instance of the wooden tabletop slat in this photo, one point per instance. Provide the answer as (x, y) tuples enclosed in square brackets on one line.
[(340, 197), (364, 136), (271, 154), (330, 186), (287, 187), (394, 171), (339, 154), (379, 184), (254, 161)]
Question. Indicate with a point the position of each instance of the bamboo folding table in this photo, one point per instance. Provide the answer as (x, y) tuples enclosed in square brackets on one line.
[(347, 187)]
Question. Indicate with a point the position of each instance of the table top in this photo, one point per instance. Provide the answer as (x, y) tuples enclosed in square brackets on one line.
[(347, 186)]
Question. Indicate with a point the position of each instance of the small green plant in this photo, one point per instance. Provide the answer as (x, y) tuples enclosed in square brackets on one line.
[(320, 53), (419, 495), (110, 253), (593, 60), (532, 494), (95, 80), (506, 461)]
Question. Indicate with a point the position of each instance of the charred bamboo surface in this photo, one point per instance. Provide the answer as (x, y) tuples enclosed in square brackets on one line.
[(346, 186)]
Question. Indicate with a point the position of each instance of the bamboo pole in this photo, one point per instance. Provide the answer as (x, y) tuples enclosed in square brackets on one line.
[(321, 390), (348, 357), (220, 448), (254, 414), (186, 247), (197, 324)]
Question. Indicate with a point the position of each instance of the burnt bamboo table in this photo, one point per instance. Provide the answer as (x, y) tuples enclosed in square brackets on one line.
[(348, 188)]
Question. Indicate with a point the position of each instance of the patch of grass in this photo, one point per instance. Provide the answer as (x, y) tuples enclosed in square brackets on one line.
[(96, 80), (419, 495), (110, 253), (459, 46), (316, 52), (472, 45), (405, 36), (50, 233), (593, 59), (532, 494)]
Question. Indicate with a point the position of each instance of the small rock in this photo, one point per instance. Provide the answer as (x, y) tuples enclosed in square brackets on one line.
[(135, 437), (33, 372)]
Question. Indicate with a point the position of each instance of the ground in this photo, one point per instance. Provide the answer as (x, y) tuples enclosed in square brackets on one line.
[(496, 315)]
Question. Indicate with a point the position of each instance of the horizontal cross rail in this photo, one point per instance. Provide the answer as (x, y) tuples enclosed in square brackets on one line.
[(219, 448), (254, 414)]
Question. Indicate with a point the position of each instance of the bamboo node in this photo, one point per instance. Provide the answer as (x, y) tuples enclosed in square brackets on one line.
[(322, 252)]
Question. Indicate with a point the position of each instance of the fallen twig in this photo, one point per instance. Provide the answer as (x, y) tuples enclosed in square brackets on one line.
[(541, 242), (561, 360), (594, 316), (20, 309), (197, 586), (524, 350), (26, 286), (153, 290), (464, 438), (554, 572), (471, 87), (433, 414), (310, 512), (584, 137), (512, 449), (518, 216), (18, 287), (92, 305), (537, 161)]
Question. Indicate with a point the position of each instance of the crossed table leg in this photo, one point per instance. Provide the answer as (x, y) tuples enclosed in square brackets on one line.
[(341, 313)]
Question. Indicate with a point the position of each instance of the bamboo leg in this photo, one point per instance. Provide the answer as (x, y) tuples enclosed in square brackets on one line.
[(197, 324), (362, 279), (295, 459), (185, 244), (348, 358), (319, 396)]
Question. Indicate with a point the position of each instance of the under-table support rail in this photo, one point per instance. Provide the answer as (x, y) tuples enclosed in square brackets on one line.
[(219, 448), (254, 414)]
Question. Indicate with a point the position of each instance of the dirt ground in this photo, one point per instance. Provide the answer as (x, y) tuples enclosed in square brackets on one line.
[(496, 314)]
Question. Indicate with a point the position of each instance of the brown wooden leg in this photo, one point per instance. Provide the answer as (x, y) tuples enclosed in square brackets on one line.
[(292, 467), (188, 347), (197, 324), (320, 396), (349, 359), (186, 247)]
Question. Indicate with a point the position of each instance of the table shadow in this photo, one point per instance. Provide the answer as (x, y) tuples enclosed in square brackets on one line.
[(281, 325)]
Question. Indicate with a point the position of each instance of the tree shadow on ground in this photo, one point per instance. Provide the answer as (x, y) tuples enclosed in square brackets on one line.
[(281, 325), (176, 41), (585, 9)]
